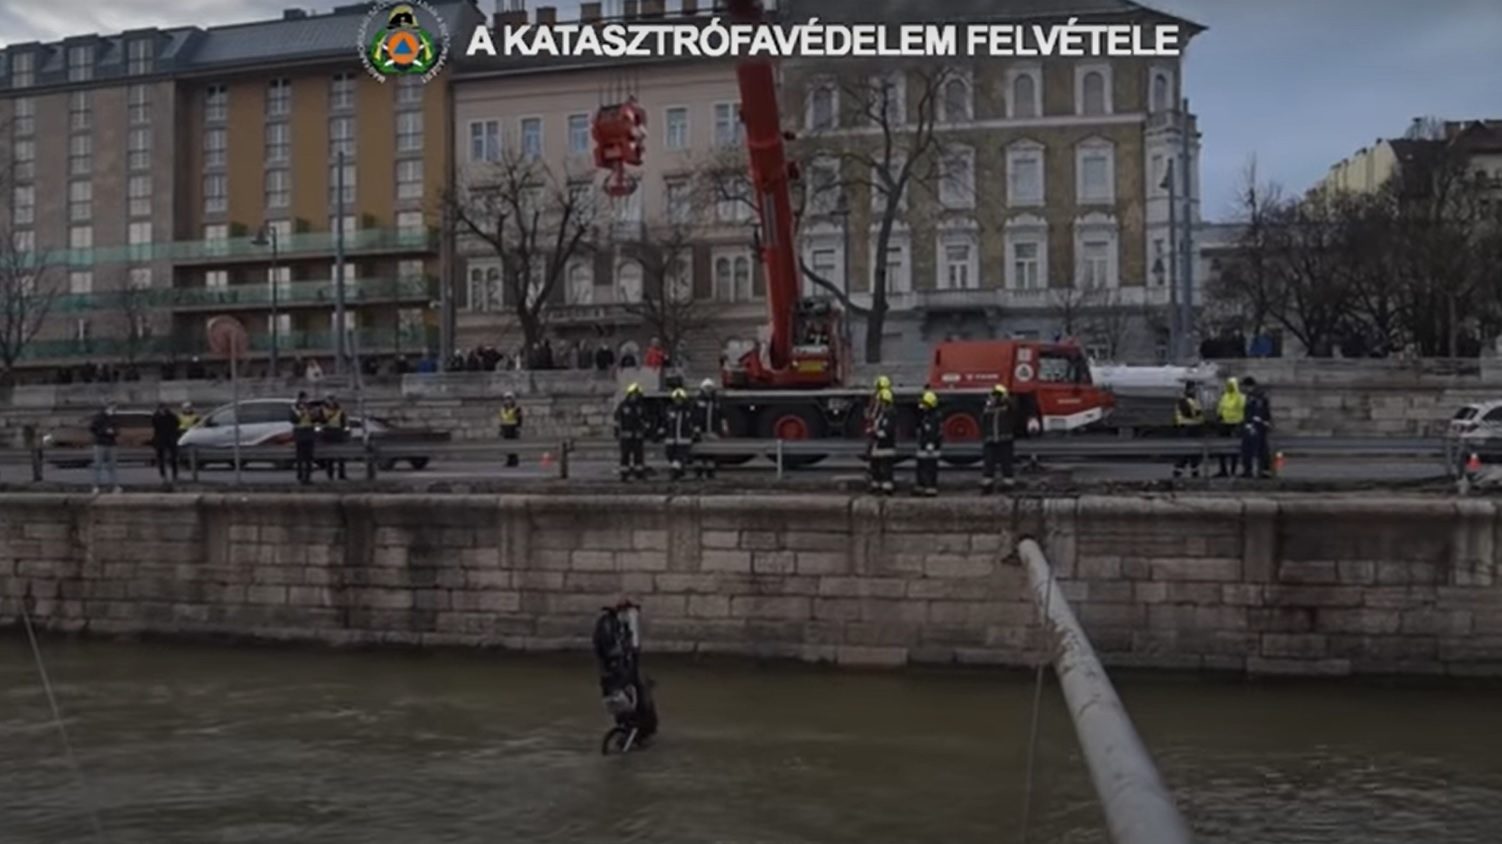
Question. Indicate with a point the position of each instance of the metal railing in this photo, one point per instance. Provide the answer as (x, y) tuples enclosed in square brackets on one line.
[(239, 248), (289, 294), (1138, 806)]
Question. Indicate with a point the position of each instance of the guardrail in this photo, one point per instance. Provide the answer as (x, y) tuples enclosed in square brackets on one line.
[(1138, 807)]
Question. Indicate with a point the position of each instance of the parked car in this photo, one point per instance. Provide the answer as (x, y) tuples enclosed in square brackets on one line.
[(72, 445), (1475, 428), (268, 422)]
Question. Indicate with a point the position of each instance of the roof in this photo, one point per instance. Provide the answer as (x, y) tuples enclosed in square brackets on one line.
[(971, 11)]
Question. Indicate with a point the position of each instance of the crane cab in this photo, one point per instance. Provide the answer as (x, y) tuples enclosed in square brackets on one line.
[(1050, 381)]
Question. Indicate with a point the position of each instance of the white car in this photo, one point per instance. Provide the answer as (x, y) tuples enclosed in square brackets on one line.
[(1474, 429), (268, 422)]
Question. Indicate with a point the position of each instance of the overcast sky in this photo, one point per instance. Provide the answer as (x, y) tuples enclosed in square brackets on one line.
[(1299, 84)]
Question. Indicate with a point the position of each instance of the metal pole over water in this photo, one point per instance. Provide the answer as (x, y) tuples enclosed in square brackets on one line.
[(1138, 807), (339, 263)]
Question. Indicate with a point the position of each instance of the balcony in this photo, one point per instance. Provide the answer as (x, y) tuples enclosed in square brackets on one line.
[(104, 348), (367, 340), (303, 294), (363, 242)]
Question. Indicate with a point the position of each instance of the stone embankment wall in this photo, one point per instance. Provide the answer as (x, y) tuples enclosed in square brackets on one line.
[(1291, 586)]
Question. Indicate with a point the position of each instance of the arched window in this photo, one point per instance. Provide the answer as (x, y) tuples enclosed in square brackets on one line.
[(724, 283), (821, 109), (581, 285), (628, 279), (1024, 96), (743, 291), (1160, 92), (1094, 87), (956, 101)]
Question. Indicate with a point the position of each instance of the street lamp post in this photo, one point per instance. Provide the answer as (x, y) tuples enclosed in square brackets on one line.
[(267, 236)]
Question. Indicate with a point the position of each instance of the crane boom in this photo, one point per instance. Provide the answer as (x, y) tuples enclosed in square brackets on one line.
[(770, 180)]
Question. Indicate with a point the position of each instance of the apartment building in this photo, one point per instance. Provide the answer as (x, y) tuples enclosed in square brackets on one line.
[(1476, 144), (1047, 209), (209, 171)]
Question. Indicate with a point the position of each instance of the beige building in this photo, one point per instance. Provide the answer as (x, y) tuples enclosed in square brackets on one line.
[(1477, 143)]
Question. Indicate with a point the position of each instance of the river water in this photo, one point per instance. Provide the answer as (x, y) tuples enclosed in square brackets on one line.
[(198, 745)]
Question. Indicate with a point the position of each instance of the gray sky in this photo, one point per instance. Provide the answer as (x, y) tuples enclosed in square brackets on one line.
[(1299, 84)]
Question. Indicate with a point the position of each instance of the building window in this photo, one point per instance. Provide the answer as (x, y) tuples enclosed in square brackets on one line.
[(22, 70), (485, 285), (958, 263), (216, 279), (827, 260), (80, 112), (215, 104), (956, 100), (139, 56), (728, 131), (409, 179), (408, 90), (81, 63), (410, 222), (531, 130), (1094, 264), (341, 137), (1092, 89), (1026, 101), (1095, 251), (823, 105), (889, 99), (342, 92), (881, 174), (679, 199), (278, 143), (24, 241), (824, 189), (279, 98), (1025, 265), (80, 201), (139, 100), (216, 231), (676, 134), (408, 269), (734, 205), (581, 283), (24, 110), (139, 233), (1162, 91), (23, 155), (628, 282), (1027, 253), (214, 145), (344, 226), (81, 283), (732, 276), (81, 237), (409, 131), (899, 267), (138, 194), (23, 204), (957, 177), (278, 188), (215, 192), (138, 149), (1025, 174), (342, 184), (578, 134), (1095, 164), (485, 140)]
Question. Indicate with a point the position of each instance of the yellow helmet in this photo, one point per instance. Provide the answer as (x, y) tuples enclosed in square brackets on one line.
[(633, 390), (680, 394), (883, 383), (930, 399), (999, 389), (885, 396)]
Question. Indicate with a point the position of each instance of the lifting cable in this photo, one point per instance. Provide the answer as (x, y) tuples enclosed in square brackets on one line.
[(57, 720)]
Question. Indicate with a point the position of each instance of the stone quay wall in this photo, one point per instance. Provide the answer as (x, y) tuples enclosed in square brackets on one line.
[(1298, 585)]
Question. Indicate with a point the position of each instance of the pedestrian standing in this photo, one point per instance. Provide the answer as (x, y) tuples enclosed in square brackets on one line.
[(510, 419), (335, 433), (1189, 421), (1231, 410), (883, 445), (1256, 452), (930, 441), (999, 431), (631, 433), (105, 429), (679, 432), (166, 427), (711, 424), (304, 436)]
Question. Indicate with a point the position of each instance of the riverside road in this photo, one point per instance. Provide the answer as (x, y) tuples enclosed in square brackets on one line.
[(195, 744)]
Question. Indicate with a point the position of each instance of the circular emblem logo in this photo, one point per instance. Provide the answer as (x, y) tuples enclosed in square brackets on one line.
[(403, 39), (1024, 372)]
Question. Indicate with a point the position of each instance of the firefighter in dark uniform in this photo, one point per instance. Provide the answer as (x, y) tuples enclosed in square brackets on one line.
[(510, 419), (1189, 421), (631, 433), (999, 430), (680, 432), (335, 432), (868, 420), (930, 440), (711, 424), (883, 445), (304, 434)]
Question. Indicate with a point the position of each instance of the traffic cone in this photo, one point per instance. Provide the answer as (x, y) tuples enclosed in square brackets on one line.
[(1279, 464), (1473, 465)]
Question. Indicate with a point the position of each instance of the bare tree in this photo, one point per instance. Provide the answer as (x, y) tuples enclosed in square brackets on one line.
[(665, 251), (881, 142), (535, 220)]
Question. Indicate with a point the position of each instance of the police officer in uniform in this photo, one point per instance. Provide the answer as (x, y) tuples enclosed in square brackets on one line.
[(1189, 420), (631, 433), (711, 424), (680, 432), (335, 432), (883, 445), (998, 422), (930, 440), (304, 434), (510, 418)]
